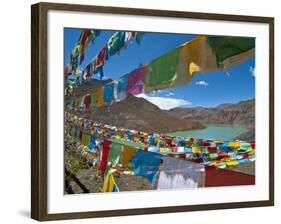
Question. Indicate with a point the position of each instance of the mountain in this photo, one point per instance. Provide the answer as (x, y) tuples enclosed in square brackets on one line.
[(139, 114), (135, 113), (242, 113), (224, 105)]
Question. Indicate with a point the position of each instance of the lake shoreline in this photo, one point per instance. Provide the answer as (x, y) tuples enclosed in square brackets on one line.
[(214, 131)]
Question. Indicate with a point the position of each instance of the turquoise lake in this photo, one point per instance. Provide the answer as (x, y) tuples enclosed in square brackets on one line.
[(219, 132)]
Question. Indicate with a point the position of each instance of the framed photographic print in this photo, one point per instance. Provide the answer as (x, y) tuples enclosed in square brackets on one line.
[(138, 111)]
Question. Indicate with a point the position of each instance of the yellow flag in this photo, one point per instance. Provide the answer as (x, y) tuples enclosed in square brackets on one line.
[(109, 183), (99, 94), (127, 153)]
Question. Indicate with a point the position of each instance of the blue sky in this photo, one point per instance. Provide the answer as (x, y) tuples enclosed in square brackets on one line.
[(208, 90)]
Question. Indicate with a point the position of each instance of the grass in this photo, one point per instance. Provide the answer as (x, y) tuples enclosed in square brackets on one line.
[(74, 164)]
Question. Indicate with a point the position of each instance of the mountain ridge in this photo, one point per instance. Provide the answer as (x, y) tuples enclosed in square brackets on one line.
[(241, 113), (134, 113), (140, 114)]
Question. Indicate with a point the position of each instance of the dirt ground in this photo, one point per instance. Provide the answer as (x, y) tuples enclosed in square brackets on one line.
[(83, 178)]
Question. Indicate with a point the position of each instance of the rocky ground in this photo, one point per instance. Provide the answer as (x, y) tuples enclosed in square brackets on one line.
[(82, 178)]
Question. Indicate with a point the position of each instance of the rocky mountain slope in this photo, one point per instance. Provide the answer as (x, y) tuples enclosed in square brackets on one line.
[(242, 113), (140, 114), (136, 113)]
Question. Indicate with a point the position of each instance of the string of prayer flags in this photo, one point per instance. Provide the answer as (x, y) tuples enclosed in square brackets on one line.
[(208, 152), (211, 53), (87, 37), (176, 172), (118, 41), (201, 55), (245, 147)]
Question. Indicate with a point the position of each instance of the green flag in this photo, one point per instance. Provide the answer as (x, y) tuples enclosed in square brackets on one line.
[(163, 70), (93, 100), (114, 153), (226, 47)]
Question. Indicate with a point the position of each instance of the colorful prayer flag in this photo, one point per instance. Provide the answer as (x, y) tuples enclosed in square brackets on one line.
[(108, 92), (120, 87), (146, 164), (136, 81), (100, 99), (114, 153)]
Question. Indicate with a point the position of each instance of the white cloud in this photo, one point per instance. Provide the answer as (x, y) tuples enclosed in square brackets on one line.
[(201, 83), (252, 70), (169, 94), (165, 103), (160, 91)]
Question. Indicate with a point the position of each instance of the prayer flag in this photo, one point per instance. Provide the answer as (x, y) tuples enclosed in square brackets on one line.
[(104, 154), (162, 71), (136, 81), (178, 173), (99, 94), (126, 155), (120, 87), (146, 164), (114, 153), (93, 100), (108, 92)]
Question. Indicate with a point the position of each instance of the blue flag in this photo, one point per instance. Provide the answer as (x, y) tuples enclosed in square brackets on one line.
[(146, 164), (91, 143), (108, 92)]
